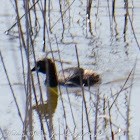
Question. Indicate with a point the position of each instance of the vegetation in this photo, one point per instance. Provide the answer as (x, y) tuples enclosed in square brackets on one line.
[(93, 112)]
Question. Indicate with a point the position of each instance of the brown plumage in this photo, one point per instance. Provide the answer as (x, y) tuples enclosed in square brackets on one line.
[(73, 76)]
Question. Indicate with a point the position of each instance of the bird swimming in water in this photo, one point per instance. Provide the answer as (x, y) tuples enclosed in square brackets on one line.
[(73, 76), (48, 109)]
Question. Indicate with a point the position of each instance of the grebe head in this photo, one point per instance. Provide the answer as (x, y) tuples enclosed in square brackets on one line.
[(41, 66)]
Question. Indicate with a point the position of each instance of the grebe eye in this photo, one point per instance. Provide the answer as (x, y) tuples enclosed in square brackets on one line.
[(38, 67)]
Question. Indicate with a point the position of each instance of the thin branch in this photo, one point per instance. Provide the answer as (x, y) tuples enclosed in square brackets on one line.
[(8, 79), (121, 88)]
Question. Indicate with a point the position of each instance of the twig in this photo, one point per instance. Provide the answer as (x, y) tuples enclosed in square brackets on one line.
[(11, 87), (84, 100), (2, 134), (66, 87), (133, 31), (7, 31), (29, 95), (112, 133), (63, 13), (128, 106), (109, 15), (96, 113), (77, 56), (66, 127), (121, 88)]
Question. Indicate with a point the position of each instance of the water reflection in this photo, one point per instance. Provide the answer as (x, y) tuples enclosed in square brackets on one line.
[(48, 109)]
